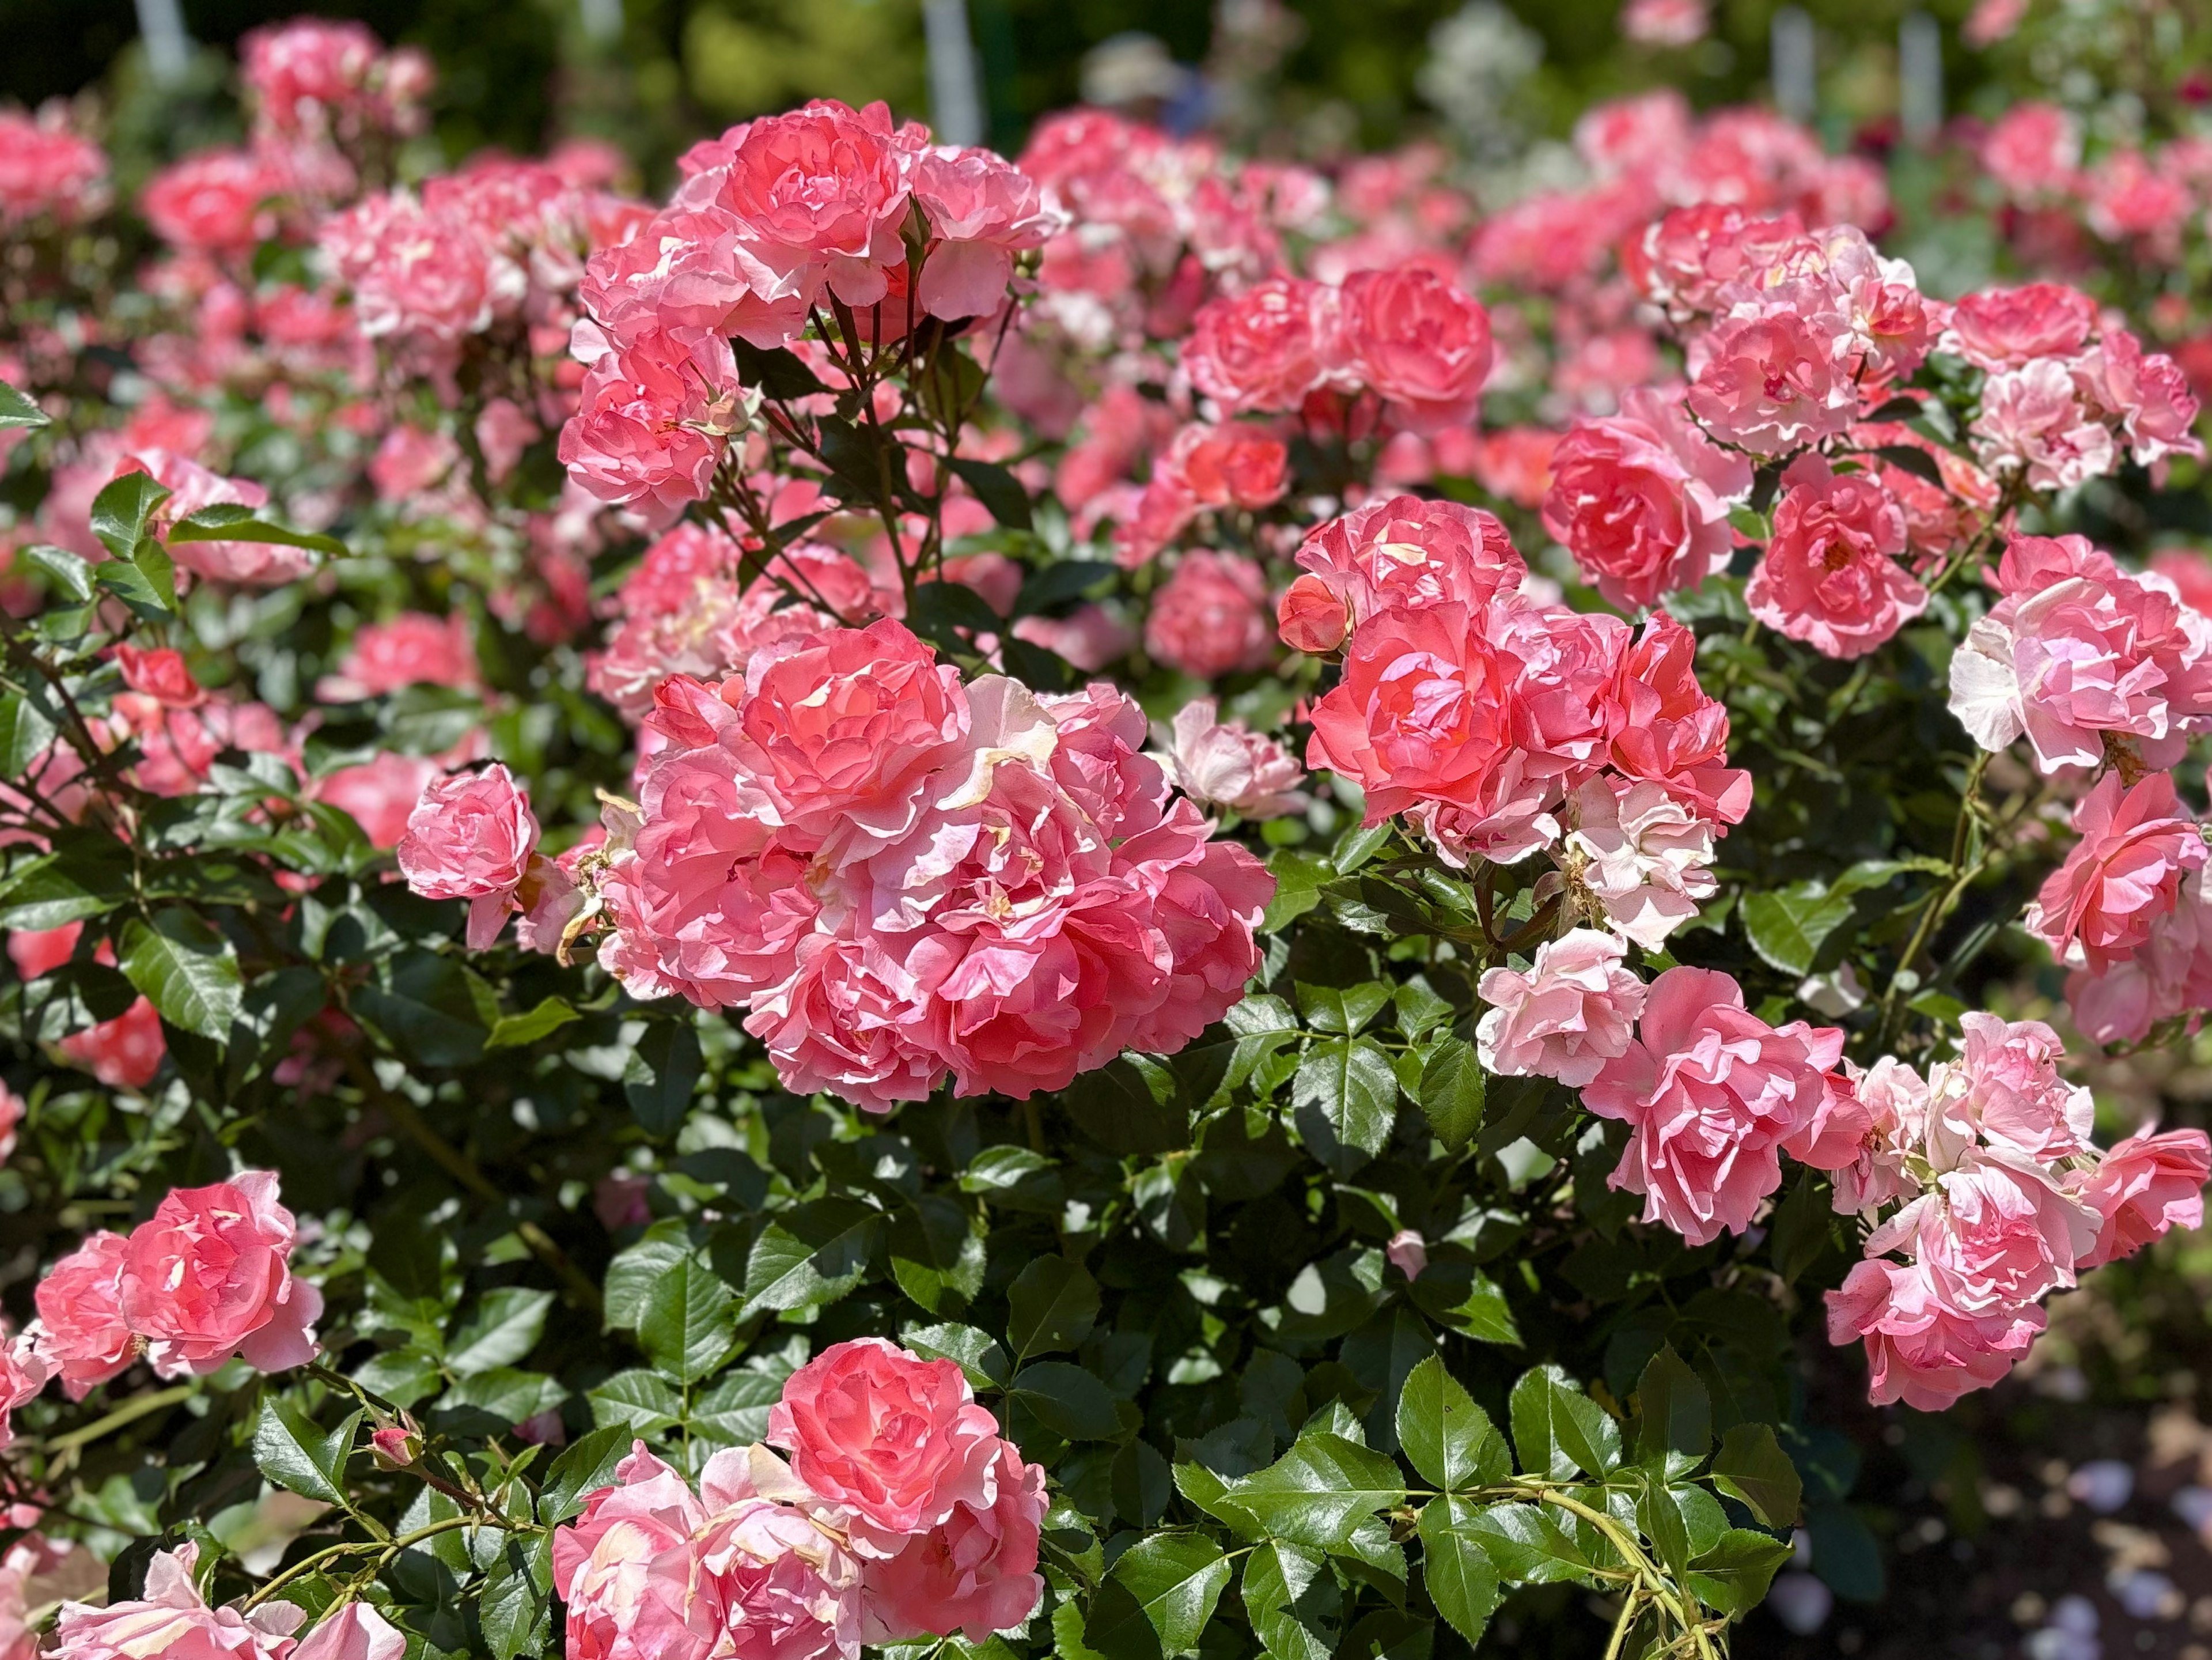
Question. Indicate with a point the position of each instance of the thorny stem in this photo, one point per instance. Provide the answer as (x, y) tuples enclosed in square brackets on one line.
[(386, 1549), (129, 1413)]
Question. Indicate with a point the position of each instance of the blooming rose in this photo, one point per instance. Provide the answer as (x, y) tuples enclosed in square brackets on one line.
[(2031, 422), (1225, 763), (893, 1441), (2033, 149), (162, 675), (652, 421), (1768, 385), (1264, 349), (1412, 337), (471, 837), (174, 1622), (355, 1632), (80, 1325), (1669, 731), (788, 1588), (1641, 855), (1992, 1235), (1573, 1011), (1895, 1099), (46, 169), (380, 792), (629, 1572), (1920, 1350), (1210, 617), (125, 1053), (24, 1370), (35, 1573), (2123, 874), (2005, 1089), (2143, 1186), (1642, 500), (412, 648), (1399, 553), (981, 212), (975, 1572), (2008, 328), (1710, 1092), (208, 1276), (815, 197), (1830, 576), (215, 201)]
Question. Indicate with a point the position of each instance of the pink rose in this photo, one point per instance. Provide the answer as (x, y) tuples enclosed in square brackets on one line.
[(894, 1442), (816, 197), (1395, 553), (355, 1632), (2122, 876), (975, 1572), (1894, 1100), (1710, 1092), (1920, 1350), (1670, 732), (34, 1573), (981, 212), (1210, 617), (125, 1053), (1090, 637), (1665, 22), (1417, 342), (1264, 349), (47, 170), (1225, 763), (1573, 1011), (627, 1570), (11, 1116), (162, 675), (1644, 856), (2033, 149), (410, 461), (1408, 1252), (2143, 1187), (191, 486), (2005, 1088), (2145, 396), (1991, 1236), (24, 1370), (411, 649), (471, 836), (1642, 500), (80, 1325), (788, 1587), (1830, 576), (214, 202), (652, 421), (2031, 422), (2008, 328), (174, 1622), (1768, 385), (208, 1276), (380, 792)]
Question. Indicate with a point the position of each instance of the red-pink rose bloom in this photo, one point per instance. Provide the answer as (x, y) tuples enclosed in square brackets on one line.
[(629, 1573), (46, 169), (1920, 1350), (1573, 1011), (2124, 873), (355, 1632), (80, 1325), (1264, 349), (209, 1276), (471, 836), (788, 1588), (124, 1053), (1769, 387), (214, 202), (1711, 1093), (1642, 500), (1670, 732), (413, 648), (816, 196), (894, 1442), (174, 1622), (1231, 464), (1397, 553), (1415, 340), (1209, 618), (2144, 1186), (975, 1572), (981, 211), (1830, 575), (162, 675), (2007, 328)]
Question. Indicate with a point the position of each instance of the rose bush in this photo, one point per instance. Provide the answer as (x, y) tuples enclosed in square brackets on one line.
[(1122, 903)]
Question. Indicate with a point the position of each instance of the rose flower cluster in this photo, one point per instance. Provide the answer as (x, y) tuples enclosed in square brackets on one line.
[(902, 1513)]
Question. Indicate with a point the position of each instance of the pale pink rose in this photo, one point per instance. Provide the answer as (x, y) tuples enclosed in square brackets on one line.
[(124, 1053), (162, 675), (1417, 342), (2171, 975), (1830, 575), (2124, 873), (1090, 637), (1264, 349), (1670, 732), (2143, 1187), (2005, 1088), (2146, 397), (471, 836), (1894, 1098), (627, 1570), (1920, 1350), (1642, 500), (2031, 424), (788, 1588), (413, 648), (80, 1325), (24, 1370), (1397, 553), (355, 1632), (1225, 763), (981, 212), (1710, 1092), (1992, 1235), (1210, 617), (1573, 1011), (380, 792), (975, 1572), (217, 201), (173, 1621), (35, 1573), (1408, 1252), (836, 1420), (208, 1276), (2033, 149), (1998, 329), (1644, 856), (1768, 385)]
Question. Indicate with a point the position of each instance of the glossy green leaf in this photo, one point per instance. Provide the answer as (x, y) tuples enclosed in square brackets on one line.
[(1052, 1305), (1449, 1439), (187, 969)]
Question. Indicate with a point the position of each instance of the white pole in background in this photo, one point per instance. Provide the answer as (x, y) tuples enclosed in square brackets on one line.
[(602, 20), (1920, 77), (1791, 43), (956, 100), (169, 48)]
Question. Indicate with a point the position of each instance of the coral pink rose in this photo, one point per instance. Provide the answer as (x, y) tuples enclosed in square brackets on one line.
[(2007, 328), (162, 675), (2144, 1186), (1642, 500), (80, 1325), (174, 1622), (214, 202), (893, 1441), (355, 1632), (2124, 873), (2033, 149), (1831, 577), (1413, 338), (1710, 1092), (981, 212), (650, 426), (1920, 1350), (1573, 1011), (1670, 732), (1265, 348), (1225, 763), (1210, 617), (125, 1053), (975, 1572), (208, 1276), (1397, 553), (627, 1570), (413, 648), (1089, 637), (471, 836), (1768, 385), (816, 197)]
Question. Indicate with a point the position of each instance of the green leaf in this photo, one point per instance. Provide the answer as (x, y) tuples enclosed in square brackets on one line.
[(229, 521), (187, 970), (1449, 1438), (1676, 1428), (1452, 1093), (1320, 1491), (19, 413), (1052, 1305), (813, 1253), (996, 488), (1342, 1009), (1126, 1110), (735, 1411), (1803, 1227), (1752, 1468), (1292, 1600), (69, 885), (1345, 1096), (685, 1327), (661, 1075), (1526, 1545), (71, 573), (587, 1465), (122, 511), (1558, 1430), (505, 1328), (1157, 1598), (638, 1267), (294, 1453), (975, 1352), (516, 1606), (513, 1030), (1299, 878), (636, 1401), (776, 370), (1066, 1400), (1659, 1520), (936, 1253), (1462, 1296), (1732, 1577), (426, 1007), (25, 732), (1462, 1579), (1788, 926)]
